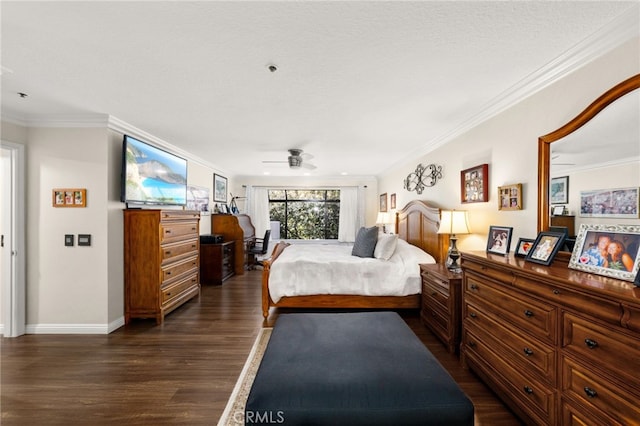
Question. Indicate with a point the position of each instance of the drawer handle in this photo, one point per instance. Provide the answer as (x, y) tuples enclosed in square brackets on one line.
[(167, 231), (168, 294), (168, 272), (193, 246), (528, 390), (472, 344), (472, 314), (528, 352), (591, 393), (168, 252), (433, 293), (592, 344), (474, 287), (556, 291), (528, 313), (193, 229)]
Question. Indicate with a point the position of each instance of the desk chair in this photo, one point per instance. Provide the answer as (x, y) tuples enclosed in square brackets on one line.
[(257, 247)]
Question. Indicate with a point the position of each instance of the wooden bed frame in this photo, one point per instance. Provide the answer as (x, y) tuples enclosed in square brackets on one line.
[(417, 223)]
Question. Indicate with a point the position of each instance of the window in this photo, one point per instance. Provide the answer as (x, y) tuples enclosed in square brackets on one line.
[(306, 214)]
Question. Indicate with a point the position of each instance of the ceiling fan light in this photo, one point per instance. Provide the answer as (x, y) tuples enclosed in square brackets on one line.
[(295, 162)]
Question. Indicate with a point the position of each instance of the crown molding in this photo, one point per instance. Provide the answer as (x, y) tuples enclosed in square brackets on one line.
[(614, 34)]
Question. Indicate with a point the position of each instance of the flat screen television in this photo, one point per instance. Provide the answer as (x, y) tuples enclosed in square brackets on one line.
[(151, 175)]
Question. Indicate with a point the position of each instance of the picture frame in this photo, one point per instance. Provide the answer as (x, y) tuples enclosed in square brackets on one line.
[(69, 197), (392, 201), (523, 247), (474, 184), (610, 203), (198, 199), (545, 247), (510, 197), (557, 210), (383, 203), (559, 190), (219, 188), (499, 239), (621, 258)]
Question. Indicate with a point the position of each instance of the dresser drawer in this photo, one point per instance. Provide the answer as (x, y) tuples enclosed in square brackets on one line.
[(607, 310), (170, 232), (631, 317), (533, 355), (529, 394), (173, 270), (437, 283), (179, 215), (437, 320), (527, 313), (434, 296), (601, 345), (171, 252), (487, 271), (596, 392), (574, 416), (173, 291)]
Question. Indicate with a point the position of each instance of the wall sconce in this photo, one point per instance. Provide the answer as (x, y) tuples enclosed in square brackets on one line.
[(453, 222)]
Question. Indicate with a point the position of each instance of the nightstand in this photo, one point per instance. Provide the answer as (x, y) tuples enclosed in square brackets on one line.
[(441, 303)]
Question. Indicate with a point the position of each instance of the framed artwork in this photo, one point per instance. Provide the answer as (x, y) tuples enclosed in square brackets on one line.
[(69, 197), (610, 250), (545, 247), (610, 203), (523, 247), (559, 190), (198, 199), (474, 184), (219, 188), (557, 210), (510, 197), (383, 202), (499, 239), (392, 201)]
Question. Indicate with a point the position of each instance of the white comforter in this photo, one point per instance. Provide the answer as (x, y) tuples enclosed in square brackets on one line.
[(309, 269)]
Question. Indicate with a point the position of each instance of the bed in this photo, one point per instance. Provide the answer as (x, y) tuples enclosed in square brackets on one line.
[(359, 368), (417, 224)]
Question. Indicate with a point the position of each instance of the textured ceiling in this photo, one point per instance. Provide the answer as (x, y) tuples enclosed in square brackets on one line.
[(360, 85)]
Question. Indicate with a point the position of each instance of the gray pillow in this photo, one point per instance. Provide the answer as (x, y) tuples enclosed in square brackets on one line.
[(365, 243)]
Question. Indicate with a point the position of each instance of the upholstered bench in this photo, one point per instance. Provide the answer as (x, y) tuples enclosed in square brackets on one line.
[(365, 368)]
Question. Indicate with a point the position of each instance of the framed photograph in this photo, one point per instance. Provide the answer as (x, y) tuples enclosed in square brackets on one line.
[(510, 197), (69, 197), (474, 184), (610, 203), (559, 190), (557, 210), (524, 246), (499, 239), (198, 199), (392, 201), (219, 188), (545, 247), (383, 202), (610, 250)]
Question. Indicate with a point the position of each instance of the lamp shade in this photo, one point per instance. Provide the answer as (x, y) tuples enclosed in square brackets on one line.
[(454, 222), (382, 218)]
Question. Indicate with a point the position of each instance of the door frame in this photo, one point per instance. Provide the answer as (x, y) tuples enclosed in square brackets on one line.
[(14, 305)]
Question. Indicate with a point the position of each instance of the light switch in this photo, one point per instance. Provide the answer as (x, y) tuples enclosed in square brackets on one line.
[(68, 240), (84, 239)]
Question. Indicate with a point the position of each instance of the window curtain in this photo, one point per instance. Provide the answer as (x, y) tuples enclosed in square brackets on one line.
[(350, 214), (258, 208)]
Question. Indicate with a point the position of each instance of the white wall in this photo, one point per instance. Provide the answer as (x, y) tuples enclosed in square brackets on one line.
[(508, 142)]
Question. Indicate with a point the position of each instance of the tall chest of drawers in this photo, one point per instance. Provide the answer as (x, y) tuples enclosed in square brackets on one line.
[(161, 261), (560, 347)]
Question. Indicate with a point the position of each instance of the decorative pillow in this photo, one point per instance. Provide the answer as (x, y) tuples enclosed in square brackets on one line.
[(385, 246), (365, 242)]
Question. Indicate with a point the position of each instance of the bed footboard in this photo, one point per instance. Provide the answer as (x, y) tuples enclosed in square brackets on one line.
[(266, 269)]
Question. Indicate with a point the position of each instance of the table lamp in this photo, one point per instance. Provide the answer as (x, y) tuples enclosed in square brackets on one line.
[(453, 222)]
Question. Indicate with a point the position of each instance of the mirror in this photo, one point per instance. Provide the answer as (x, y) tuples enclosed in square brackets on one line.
[(567, 145)]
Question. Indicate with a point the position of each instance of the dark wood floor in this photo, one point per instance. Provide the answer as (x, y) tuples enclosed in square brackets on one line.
[(179, 373)]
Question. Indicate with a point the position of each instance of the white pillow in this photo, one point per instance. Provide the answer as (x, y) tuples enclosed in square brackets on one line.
[(385, 246)]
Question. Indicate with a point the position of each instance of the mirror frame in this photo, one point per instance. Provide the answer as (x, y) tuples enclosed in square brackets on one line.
[(544, 142)]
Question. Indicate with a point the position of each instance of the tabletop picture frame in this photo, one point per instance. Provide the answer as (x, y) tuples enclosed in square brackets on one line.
[(474, 184), (545, 247), (523, 247), (499, 240)]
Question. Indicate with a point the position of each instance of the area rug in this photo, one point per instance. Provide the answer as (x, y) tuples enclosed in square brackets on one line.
[(234, 411)]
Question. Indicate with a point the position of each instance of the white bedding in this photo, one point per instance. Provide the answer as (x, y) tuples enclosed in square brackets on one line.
[(310, 269)]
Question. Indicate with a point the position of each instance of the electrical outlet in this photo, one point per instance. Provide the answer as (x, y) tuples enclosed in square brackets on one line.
[(68, 240)]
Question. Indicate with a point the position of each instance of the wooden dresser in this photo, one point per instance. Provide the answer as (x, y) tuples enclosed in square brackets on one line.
[(441, 306), (217, 262), (161, 261), (559, 346)]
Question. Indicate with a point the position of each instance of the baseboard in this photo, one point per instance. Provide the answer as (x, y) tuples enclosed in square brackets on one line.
[(74, 328)]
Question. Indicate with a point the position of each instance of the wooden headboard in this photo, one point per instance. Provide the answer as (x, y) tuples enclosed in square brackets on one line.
[(417, 223)]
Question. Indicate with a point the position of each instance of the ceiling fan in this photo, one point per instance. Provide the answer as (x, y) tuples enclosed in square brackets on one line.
[(296, 160)]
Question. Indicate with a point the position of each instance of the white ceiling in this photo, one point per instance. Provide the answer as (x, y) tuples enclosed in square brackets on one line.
[(360, 85)]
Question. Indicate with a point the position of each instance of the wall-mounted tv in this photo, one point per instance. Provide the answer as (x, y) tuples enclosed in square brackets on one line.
[(151, 175)]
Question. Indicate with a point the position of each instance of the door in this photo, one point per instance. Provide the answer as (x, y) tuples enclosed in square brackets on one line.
[(12, 253)]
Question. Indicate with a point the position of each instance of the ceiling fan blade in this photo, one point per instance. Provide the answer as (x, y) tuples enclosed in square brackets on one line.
[(308, 166), (274, 162)]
